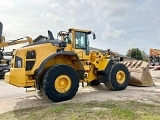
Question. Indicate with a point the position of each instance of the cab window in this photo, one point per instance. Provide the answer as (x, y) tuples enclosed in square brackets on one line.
[(80, 40), (68, 38)]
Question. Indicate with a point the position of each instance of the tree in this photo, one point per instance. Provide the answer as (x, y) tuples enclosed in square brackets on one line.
[(145, 56), (135, 53)]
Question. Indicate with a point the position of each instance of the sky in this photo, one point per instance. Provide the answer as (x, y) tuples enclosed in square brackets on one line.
[(119, 25)]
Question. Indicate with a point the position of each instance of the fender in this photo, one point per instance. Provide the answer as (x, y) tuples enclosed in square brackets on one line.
[(80, 70), (105, 72)]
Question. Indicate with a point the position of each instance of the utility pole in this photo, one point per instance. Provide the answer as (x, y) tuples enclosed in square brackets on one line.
[(129, 52), (136, 53)]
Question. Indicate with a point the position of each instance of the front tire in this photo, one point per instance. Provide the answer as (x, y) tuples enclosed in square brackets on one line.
[(119, 77), (60, 83)]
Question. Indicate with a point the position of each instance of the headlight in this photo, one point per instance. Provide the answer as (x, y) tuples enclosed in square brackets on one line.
[(30, 59), (29, 65), (31, 55)]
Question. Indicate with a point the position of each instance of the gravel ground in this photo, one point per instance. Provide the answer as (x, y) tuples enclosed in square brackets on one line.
[(13, 98)]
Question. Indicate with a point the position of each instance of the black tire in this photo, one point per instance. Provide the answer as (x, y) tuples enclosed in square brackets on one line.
[(112, 82), (50, 77), (1, 76), (94, 83)]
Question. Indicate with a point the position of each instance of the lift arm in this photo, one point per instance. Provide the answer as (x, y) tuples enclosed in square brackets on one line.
[(18, 41)]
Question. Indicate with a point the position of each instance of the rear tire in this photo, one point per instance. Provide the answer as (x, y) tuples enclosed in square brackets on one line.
[(60, 83), (119, 77)]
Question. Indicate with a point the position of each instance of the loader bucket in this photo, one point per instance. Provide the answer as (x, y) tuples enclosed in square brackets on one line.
[(139, 73)]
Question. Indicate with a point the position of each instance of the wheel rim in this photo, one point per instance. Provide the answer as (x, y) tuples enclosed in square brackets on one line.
[(62, 83), (120, 77)]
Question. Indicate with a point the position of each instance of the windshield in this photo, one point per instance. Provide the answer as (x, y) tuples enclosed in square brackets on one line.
[(80, 40)]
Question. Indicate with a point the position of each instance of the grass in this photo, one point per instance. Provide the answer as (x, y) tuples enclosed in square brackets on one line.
[(107, 110)]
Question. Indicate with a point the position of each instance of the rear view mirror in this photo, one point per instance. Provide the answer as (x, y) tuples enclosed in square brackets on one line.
[(94, 36)]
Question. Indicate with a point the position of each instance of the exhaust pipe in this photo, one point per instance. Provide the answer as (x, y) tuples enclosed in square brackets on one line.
[(1, 28)]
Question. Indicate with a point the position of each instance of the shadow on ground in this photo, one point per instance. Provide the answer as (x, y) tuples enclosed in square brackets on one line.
[(31, 101)]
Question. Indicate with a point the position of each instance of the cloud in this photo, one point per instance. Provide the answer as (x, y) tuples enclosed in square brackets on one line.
[(27, 15), (111, 33), (50, 18), (111, 20), (113, 10), (57, 6)]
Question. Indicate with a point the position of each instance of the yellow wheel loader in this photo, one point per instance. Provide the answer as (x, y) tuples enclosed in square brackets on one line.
[(56, 67)]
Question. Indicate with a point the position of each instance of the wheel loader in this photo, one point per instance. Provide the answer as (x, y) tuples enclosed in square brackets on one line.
[(57, 66)]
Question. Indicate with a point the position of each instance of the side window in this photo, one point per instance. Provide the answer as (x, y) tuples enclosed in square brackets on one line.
[(80, 40), (87, 49)]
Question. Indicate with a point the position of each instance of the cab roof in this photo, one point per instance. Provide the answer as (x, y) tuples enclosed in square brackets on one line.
[(80, 30)]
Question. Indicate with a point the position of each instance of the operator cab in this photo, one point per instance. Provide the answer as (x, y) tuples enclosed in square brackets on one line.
[(81, 39), (77, 38)]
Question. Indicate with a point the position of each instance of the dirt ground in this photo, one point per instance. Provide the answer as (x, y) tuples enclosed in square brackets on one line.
[(13, 98)]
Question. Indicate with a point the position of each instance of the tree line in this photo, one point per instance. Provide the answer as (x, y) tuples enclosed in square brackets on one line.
[(137, 54)]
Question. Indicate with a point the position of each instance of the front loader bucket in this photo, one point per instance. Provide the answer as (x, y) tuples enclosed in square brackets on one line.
[(139, 73)]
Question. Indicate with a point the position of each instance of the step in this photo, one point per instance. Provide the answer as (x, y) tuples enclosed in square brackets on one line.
[(31, 90)]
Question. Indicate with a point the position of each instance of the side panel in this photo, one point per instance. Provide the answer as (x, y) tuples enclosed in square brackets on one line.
[(16, 77)]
